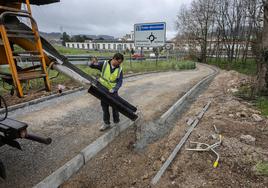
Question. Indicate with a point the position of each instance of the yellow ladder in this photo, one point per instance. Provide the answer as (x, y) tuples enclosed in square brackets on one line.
[(13, 57)]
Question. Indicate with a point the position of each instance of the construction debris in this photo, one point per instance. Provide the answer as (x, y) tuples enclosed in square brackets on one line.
[(248, 139), (178, 147), (242, 114), (206, 147), (60, 88), (256, 117)]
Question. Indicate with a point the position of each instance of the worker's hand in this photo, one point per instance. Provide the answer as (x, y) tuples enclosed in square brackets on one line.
[(94, 60), (111, 91)]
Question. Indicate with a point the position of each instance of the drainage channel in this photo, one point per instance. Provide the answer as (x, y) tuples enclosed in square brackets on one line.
[(152, 131), (147, 135)]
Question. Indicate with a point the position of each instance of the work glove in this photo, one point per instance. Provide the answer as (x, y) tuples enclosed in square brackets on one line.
[(111, 91), (93, 61)]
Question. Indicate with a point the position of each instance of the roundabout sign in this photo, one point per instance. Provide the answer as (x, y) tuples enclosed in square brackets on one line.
[(150, 34)]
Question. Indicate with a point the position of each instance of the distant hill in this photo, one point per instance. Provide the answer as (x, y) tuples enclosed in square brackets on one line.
[(53, 38), (53, 35), (105, 37), (56, 37)]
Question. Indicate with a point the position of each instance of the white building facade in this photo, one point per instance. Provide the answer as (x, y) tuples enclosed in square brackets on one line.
[(113, 45)]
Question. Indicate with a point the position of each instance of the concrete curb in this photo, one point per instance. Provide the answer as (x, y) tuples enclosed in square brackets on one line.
[(91, 150), (165, 123), (63, 173), (39, 100), (72, 166), (184, 100)]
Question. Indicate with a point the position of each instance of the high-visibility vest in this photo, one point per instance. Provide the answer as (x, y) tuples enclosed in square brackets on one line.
[(108, 79)]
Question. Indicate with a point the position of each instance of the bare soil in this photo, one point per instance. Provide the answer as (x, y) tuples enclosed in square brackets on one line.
[(120, 165), (32, 94)]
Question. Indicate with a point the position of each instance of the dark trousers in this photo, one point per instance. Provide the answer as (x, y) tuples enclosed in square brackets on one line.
[(105, 109), (106, 113)]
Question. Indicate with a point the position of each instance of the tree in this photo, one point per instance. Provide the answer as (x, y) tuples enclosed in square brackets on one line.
[(261, 51), (65, 38), (196, 22), (78, 38), (219, 28), (231, 21)]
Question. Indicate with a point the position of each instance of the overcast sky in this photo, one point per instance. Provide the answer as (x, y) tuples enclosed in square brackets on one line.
[(107, 17)]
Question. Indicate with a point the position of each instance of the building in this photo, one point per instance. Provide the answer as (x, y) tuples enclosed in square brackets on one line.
[(216, 47), (129, 37), (122, 44), (105, 45)]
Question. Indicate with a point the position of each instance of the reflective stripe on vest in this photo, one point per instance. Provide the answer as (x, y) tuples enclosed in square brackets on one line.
[(107, 78)]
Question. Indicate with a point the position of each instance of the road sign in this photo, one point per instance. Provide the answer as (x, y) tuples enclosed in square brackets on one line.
[(150, 34)]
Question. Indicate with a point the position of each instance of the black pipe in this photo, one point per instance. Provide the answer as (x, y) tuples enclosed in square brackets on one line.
[(39, 139), (111, 100), (118, 98)]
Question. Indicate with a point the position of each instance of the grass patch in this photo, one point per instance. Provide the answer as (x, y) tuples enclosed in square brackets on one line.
[(244, 92), (146, 66), (249, 67), (75, 51), (262, 168), (262, 104)]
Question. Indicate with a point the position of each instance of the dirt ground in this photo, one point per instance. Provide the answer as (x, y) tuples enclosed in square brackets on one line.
[(31, 94), (120, 165)]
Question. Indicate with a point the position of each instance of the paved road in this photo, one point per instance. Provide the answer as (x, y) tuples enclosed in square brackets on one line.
[(73, 121)]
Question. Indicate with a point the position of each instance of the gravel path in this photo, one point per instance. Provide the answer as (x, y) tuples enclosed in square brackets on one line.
[(73, 121)]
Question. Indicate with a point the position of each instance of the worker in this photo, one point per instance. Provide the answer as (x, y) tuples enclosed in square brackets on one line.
[(111, 78)]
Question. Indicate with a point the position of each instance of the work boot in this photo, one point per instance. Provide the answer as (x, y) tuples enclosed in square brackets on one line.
[(104, 127), (116, 124)]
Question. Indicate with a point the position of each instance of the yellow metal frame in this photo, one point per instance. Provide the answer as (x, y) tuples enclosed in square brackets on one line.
[(39, 47), (11, 61), (36, 45)]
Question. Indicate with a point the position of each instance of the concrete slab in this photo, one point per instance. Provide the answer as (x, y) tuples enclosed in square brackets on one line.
[(63, 173)]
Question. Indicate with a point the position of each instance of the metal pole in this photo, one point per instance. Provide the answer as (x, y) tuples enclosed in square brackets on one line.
[(178, 147)]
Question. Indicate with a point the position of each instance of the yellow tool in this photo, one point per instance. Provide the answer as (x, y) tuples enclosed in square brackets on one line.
[(206, 147)]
